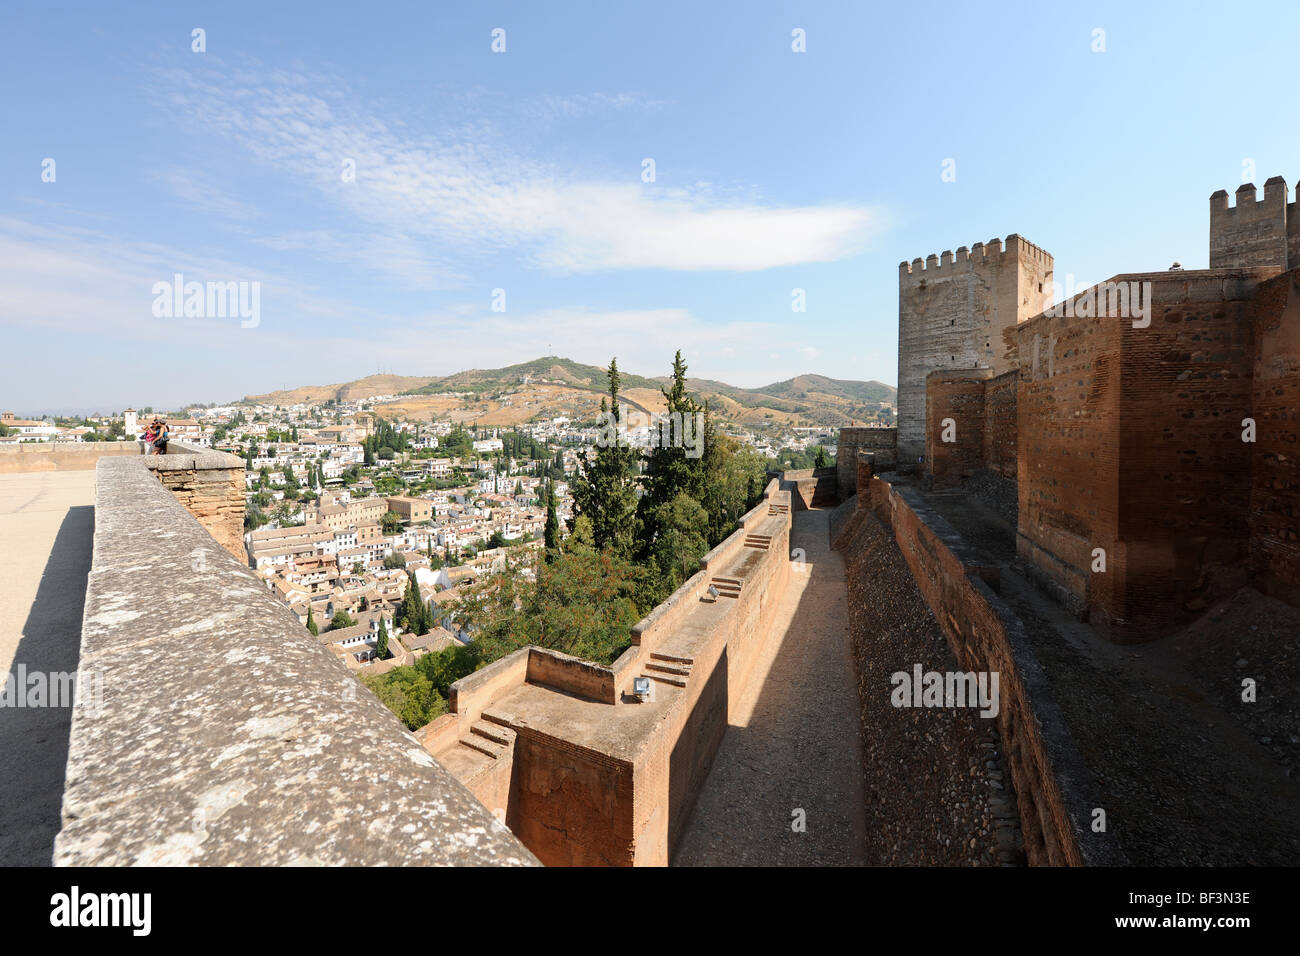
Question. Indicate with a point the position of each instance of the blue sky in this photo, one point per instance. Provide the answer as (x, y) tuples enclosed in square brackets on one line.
[(522, 171)]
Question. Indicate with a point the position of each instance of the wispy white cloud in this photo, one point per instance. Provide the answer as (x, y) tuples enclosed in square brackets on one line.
[(422, 203), (199, 192), (551, 107), (88, 286)]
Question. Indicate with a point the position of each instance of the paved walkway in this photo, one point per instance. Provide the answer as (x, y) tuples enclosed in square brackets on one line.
[(46, 531), (794, 741)]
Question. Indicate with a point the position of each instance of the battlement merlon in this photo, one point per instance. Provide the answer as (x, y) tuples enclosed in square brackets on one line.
[(1276, 196), (979, 254), (1255, 232)]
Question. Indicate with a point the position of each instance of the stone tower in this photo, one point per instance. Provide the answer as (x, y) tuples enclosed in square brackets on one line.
[(952, 312), (1253, 234)]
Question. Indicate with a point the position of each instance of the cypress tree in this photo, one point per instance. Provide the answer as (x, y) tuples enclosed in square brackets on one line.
[(552, 533), (606, 490)]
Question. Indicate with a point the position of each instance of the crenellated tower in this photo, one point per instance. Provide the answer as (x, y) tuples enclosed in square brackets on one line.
[(952, 311), (1255, 232)]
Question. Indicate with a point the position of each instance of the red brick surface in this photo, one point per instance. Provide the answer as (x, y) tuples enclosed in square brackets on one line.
[(1275, 480), (1131, 440)]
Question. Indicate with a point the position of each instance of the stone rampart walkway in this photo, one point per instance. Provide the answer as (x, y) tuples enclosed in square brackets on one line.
[(792, 752)]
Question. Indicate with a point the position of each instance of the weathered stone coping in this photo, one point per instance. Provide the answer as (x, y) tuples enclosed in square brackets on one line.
[(182, 457), (226, 735)]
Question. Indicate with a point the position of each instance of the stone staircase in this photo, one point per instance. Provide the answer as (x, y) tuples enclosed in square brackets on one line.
[(668, 669), (760, 542), (485, 743), (778, 509), (726, 587)]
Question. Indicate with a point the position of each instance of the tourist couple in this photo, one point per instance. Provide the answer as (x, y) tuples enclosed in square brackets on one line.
[(155, 437)]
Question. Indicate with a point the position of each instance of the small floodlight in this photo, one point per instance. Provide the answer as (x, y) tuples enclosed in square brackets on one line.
[(641, 687)]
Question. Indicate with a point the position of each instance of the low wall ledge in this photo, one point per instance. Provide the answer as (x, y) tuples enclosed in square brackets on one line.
[(222, 734)]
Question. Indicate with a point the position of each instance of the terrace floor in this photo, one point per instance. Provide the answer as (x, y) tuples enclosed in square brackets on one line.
[(46, 534)]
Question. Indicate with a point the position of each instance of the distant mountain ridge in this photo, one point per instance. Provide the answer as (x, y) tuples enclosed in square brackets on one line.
[(804, 396)]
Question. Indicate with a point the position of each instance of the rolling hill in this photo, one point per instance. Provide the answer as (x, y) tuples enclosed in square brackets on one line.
[(551, 386)]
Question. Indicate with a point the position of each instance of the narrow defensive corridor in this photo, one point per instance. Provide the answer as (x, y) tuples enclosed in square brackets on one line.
[(792, 752)]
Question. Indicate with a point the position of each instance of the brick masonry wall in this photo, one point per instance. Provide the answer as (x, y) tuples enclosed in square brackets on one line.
[(1274, 509), (1000, 424), (1293, 232), (882, 442), (1130, 441), (1184, 471), (569, 805), (1068, 420), (958, 400)]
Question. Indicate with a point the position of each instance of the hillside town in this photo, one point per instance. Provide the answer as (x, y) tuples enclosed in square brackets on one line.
[(346, 511)]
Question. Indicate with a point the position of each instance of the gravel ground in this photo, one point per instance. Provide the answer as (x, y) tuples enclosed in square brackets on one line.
[(937, 787), (998, 493), (1252, 636), (1187, 772)]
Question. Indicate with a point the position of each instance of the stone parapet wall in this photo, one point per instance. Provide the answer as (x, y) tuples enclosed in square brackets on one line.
[(210, 484), (224, 734), (812, 487), (31, 456)]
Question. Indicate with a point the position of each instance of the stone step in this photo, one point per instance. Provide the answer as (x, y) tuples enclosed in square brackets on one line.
[(493, 732), (668, 668), (667, 679), (463, 762), (671, 658), (483, 745), (728, 587)]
